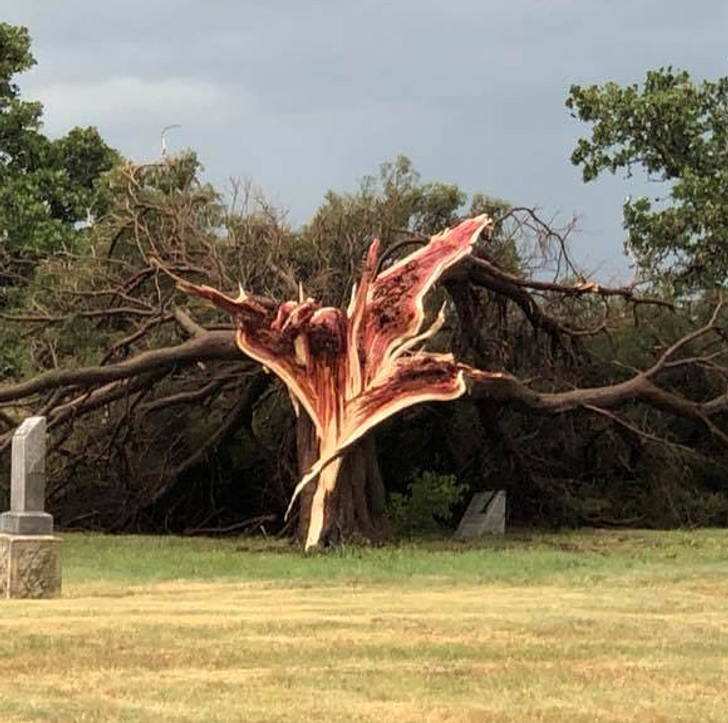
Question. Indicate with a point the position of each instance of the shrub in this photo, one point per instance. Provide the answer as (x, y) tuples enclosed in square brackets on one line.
[(427, 504)]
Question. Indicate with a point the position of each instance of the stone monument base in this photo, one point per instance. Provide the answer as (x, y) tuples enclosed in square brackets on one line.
[(26, 523), (30, 566)]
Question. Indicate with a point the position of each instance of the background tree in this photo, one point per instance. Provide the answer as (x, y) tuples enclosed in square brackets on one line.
[(48, 188), (676, 130)]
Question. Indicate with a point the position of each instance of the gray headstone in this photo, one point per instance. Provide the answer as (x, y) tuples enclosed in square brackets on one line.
[(27, 482), (486, 515)]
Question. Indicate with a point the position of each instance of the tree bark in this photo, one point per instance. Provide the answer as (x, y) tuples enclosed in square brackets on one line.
[(355, 510)]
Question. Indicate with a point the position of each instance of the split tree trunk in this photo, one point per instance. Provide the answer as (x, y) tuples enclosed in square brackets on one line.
[(355, 510)]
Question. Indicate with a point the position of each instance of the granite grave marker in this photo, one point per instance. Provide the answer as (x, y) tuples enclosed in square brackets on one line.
[(30, 556)]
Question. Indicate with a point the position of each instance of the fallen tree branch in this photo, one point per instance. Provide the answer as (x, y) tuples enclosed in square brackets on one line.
[(213, 345), (508, 389), (240, 414), (582, 288)]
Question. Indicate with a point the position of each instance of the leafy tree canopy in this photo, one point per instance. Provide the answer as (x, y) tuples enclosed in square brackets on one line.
[(676, 130), (48, 188)]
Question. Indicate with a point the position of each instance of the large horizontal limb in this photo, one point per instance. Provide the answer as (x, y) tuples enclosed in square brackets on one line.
[(507, 389), (213, 345)]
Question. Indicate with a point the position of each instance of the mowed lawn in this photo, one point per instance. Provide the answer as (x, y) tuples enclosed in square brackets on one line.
[(590, 626)]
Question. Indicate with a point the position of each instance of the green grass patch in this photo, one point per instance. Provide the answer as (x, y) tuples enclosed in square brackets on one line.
[(568, 558)]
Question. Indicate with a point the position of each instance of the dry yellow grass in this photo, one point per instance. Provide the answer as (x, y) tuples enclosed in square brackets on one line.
[(628, 647)]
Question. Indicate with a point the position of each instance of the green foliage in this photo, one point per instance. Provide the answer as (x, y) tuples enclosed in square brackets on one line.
[(395, 205), (12, 351), (676, 130), (427, 503), (48, 188), (395, 200)]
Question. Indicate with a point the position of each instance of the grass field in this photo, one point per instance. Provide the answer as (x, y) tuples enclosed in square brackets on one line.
[(588, 626)]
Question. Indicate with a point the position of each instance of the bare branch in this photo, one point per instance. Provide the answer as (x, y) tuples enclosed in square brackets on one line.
[(505, 388), (241, 413), (208, 346), (582, 288), (684, 341)]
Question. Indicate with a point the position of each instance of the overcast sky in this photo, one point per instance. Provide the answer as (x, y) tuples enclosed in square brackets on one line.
[(306, 96)]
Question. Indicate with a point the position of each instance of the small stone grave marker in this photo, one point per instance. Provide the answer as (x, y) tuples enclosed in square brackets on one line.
[(27, 482), (30, 557), (486, 515)]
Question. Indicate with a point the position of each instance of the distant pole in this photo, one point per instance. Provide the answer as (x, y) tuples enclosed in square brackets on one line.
[(163, 138)]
